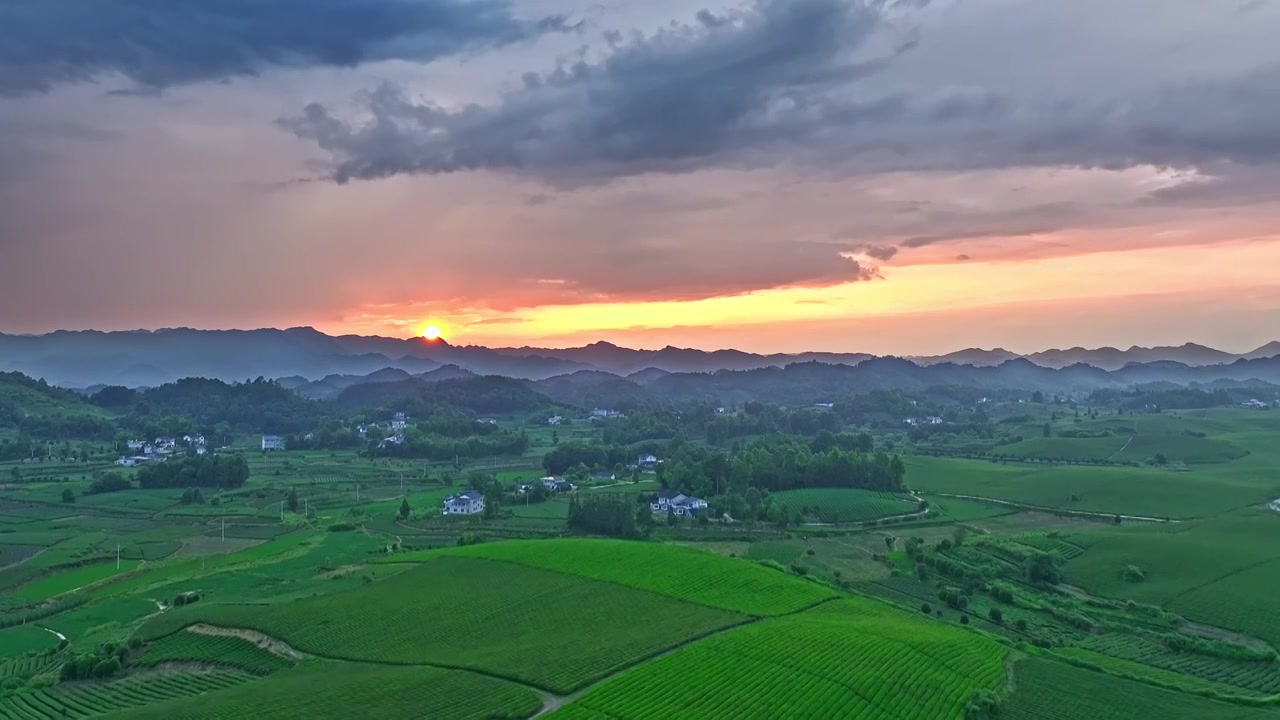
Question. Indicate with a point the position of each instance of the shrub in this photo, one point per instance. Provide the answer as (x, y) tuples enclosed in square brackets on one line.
[(964, 619), (1134, 574), (996, 615), (342, 527), (1021, 624), (926, 609)]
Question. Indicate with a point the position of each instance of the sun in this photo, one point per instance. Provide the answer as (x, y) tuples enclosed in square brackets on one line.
[(431, 332)]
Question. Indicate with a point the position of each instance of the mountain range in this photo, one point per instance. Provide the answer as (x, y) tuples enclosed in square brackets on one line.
[(323, 365)]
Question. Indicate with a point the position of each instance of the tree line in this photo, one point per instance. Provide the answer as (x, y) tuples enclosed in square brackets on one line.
[(211, 471)]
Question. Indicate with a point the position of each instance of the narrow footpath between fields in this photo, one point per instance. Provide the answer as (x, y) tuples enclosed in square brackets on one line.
[(1059, 511)]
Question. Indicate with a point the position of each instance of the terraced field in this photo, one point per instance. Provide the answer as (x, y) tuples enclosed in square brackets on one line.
[(1050, 690), (550, 629), (855, 659), (1238, 676), (843, 506), (674, 571), (78, 700), (319, 689), (187, 646)]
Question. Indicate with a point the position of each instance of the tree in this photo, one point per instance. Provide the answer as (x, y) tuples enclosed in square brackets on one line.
[(964, 619), (404, 509), (926, 609), (1161, 459), (996, 615), (1037, 397), (1042, 568), (889, 542), (958, 535), (753, 500), (68, 496), (292, 500), (671, 516), (1047, 430), (1020, 624)]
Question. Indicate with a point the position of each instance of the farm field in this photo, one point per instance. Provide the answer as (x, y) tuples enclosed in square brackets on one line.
[(1146, 492), (78, 700), (1175, 559), (677, 572), (1049, 690), (1244, 601), (550, 629), (74, 579), (855, 659), (843, 506), (188, 646), (338, 690)]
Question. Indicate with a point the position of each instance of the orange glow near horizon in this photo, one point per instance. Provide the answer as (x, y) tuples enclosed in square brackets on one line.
[(957, 290)]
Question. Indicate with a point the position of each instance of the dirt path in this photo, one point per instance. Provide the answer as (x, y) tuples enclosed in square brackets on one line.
[(1123, 447), (1052, 510), (266, 642)]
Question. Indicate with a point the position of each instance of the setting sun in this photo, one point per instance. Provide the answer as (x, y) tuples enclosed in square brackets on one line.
[(431, 332)]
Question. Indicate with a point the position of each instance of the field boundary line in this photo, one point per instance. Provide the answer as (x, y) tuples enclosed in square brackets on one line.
[(810, 606), (1220, 578), (1064, 511)]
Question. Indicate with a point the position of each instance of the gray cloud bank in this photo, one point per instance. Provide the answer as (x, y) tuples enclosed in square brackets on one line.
[(160, 43), (795, 80)]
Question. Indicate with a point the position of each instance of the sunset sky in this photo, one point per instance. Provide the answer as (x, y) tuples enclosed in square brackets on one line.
[(884, 176)]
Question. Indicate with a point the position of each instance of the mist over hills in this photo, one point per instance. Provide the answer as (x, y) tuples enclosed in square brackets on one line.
[(323, 366)]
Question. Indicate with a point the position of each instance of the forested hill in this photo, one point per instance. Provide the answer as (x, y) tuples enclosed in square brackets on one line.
[(489, 394), (21, 395), (806, 383)]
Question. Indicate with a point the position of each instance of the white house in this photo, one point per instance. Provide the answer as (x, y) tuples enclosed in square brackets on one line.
[(933, 420), (464, 503), (679, 504), (126, 462), (486, 421), (555, 420), (272, 442), (398, 425), (136, 445), (647, 462), (824, 406), (1254, 403)]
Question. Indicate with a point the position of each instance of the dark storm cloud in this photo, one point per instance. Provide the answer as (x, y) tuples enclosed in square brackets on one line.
[(882, 252), (159, 43), (675, 99), (790, 80)]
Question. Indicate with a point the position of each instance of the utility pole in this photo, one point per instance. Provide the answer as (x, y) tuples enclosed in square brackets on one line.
[(281, 511), (224, 529), (117, 556), (306, 508)]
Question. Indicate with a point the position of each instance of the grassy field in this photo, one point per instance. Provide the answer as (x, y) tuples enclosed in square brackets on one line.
[(74, 579), (843, 506), (1048, 690), (320, 689), (677, 572), (1232, 460), (1244, 601), (550, 629), (847, 659), (1183, 560)]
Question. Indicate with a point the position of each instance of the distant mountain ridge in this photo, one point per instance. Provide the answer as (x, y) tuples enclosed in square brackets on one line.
[(326, 364)]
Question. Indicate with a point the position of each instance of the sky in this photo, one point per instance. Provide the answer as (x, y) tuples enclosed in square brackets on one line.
[(886, 176)]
